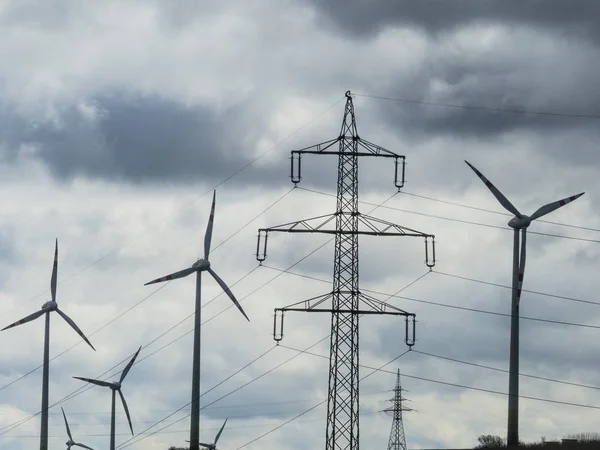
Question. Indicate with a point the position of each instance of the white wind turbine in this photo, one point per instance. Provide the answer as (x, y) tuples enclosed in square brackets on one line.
[(47, 308), (201, 265), (70, 443), (115, 387), (518, 222), (213, 446)]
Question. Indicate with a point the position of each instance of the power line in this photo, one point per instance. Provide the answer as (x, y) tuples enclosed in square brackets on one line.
[(489, 283), (462, 386), (445, 305), (506, 371), (484, 108), (468, 222), (475, 208)]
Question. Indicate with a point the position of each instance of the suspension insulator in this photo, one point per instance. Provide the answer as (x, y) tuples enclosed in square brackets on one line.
[(430, 251), (261, 253), (399, 171), (278, 332), (411, 329), (296, 168)]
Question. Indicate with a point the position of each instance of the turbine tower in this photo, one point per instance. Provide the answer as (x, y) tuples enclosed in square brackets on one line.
[(519, 222), (70, 443), (201, 265), (115, 387), (47, 308), (342, 430), (397, 439)]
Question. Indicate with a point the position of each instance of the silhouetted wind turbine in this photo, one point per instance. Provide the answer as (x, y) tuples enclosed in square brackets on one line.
[(70, 443), (115, 387), (213, 446), (198, 267), (518, 222), (47, 308)]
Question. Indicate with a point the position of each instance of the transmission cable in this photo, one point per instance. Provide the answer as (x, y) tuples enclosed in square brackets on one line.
[(475, 208), (489, 283), (468, 222), (462, 386), (483, 108), (552, 380), (445, 305)]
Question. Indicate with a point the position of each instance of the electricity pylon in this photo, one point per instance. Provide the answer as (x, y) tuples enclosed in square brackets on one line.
[(342, 431), (397, 439)]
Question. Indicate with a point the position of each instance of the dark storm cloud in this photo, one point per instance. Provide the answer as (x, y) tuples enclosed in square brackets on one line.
[(139, 138), (359, 18)]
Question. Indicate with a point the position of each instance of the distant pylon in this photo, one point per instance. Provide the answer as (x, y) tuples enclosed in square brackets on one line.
[(397, 439)]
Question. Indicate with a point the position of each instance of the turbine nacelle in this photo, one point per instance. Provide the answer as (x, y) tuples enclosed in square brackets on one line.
[(518, 223), (202, 264), (50, 306)]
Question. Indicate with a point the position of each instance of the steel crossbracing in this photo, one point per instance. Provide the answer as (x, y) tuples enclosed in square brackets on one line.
[(397, 439), (342, 430)]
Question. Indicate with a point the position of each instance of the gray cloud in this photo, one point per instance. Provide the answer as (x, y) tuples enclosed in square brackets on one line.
[(139, 138), (578, 18)]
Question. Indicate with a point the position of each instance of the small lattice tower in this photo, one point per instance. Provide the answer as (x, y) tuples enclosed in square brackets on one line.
[(397, 439)]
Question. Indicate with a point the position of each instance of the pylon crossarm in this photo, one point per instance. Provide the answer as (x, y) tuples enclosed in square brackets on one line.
[(371, 150), (382, 227), (377, 150)]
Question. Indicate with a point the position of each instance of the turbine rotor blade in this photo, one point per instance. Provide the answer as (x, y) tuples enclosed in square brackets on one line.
[(97, 382), (227, 291), (54, 273), (173, 276), (126, 410), (209, 228), (553, 206), (29, 318), (219, 433), (66, 424), (499, 196), (522, 263), (82, 446), (75, 327), (128, 366), (202, 444)]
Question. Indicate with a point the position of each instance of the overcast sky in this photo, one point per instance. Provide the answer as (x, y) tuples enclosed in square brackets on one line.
[(118, 118)]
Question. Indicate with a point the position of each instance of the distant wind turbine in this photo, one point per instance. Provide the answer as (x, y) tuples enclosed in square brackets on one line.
[(115, 387), (198, 267), (47, 308), (213, 446), (518, 222), (70, 443)]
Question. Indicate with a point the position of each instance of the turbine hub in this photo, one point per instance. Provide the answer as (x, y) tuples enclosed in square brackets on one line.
[(519, 223), (116, 386), (50, 306), (201, 264)]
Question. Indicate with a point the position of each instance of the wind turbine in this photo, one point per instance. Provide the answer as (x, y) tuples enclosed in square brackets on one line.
[(213, 446), (115, 387), (518, 222), (47, 308), (201, 265), (70, 443)]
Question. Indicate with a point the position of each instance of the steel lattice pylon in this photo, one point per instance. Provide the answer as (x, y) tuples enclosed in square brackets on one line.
[(397, 439), (342, 431)]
